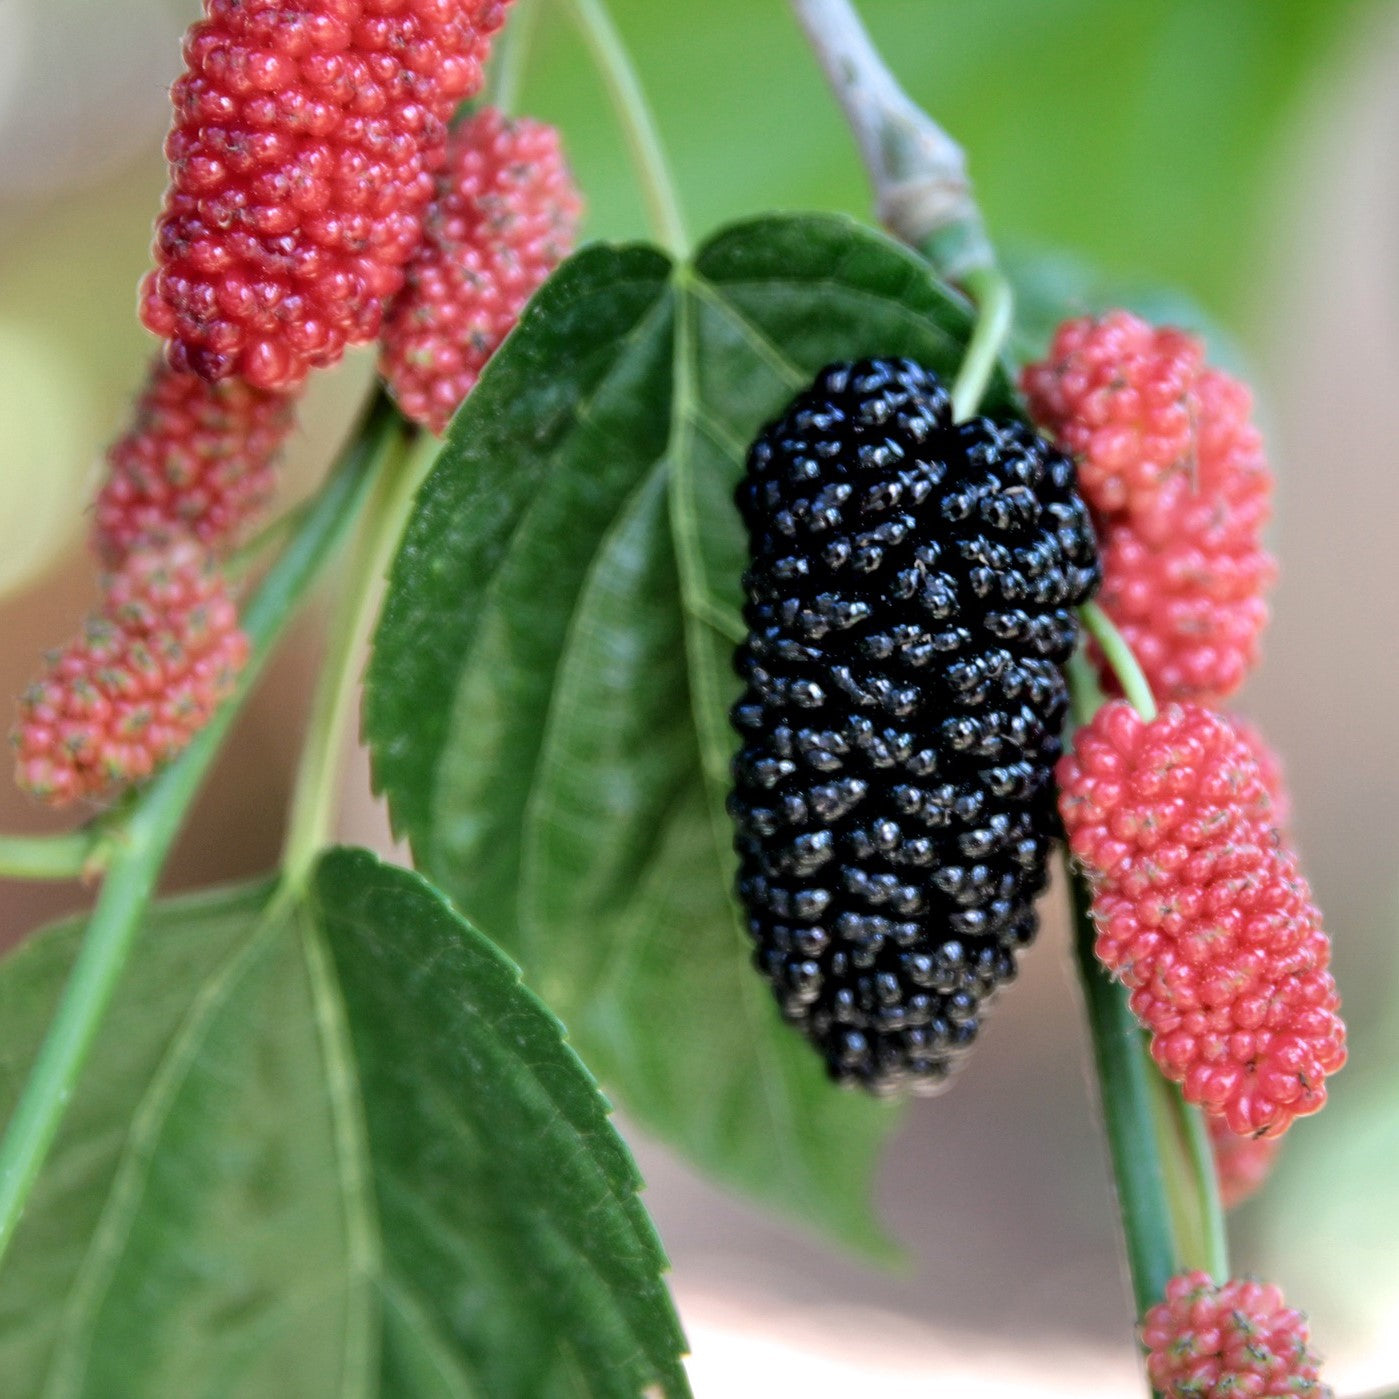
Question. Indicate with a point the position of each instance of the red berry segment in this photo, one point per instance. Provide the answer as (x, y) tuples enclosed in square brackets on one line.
[(1117, 393), (138, 684), (505, 215), (1202, 913), (199, 460), (1241, 1164), (1208, 1342), (1175, 472), (1270, 769), (305, 138)]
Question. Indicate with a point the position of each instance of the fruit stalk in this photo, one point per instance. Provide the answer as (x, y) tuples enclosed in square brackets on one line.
[(637, 121), (309, 827), (65, 856)]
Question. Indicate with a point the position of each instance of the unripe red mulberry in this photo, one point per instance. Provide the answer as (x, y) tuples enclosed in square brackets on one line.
[(198, 460), (1174, 471), (305, 138), (1241, 1164), (1202, 913), (1185, 580), (1270, 768), (1118, 394), (505, 215), (1221, 1342), (143, 678)]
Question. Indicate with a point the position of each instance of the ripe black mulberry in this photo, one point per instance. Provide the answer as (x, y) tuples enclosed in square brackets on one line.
[(909, 607)]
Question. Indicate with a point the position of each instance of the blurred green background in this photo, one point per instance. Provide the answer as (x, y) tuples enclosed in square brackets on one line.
[(1240, 152)]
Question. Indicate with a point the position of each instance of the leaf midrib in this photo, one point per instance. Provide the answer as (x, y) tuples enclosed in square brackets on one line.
[(68, 1360), (490, 599)]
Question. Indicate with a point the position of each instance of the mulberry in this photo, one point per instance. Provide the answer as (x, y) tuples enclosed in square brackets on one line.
[(198, 460), (143, 678), (305, 139), (1185, 582), (1119, 395), (1202, 913), (505, 215), (1175, 473), (1270, 768), (909, 603), (1208, 1342)]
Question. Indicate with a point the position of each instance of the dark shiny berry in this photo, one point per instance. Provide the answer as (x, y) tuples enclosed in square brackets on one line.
[(909, 608)]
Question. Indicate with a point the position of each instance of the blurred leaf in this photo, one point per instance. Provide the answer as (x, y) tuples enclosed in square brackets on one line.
[(328, 1146), (549, 693)]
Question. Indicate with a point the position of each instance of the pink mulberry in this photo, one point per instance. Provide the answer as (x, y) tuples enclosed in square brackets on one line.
[(1202, 913), (199, 460), (143, 678), (305, 139), (505, 215)]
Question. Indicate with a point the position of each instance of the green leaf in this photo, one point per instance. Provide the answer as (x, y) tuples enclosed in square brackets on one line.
[(567, 789), (328, 1146)]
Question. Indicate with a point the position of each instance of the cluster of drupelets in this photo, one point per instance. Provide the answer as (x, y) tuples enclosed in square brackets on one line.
[(1177, 818), (320, 197)]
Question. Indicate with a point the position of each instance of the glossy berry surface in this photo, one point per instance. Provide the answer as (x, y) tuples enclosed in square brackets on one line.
[(909, 603), (198, 460), (505, 215), (305, 140), (1202, 913), (1221, 1342), (140, 681)]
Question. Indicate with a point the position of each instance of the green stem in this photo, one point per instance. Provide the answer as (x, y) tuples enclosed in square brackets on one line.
[(512, 58), (1210, 1249), (68, 856), (637, 121), (995, 311), (922, 193), (314, 798), (1125, 1074), (266, 541), (1123, 664), (140, 848)]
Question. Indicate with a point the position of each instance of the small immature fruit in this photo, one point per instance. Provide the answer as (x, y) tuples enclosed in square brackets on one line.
[(305, 139), (1241, 1164), (1186, 581), (1202, 913), (505, 215), (143, 678), (909, 603), (1223, 1342), (199, 460)]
